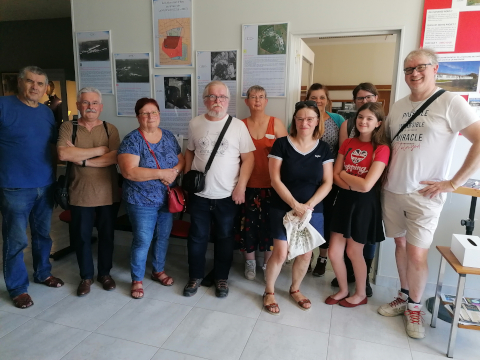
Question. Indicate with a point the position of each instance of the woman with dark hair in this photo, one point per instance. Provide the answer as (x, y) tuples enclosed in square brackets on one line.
[(333, 137), (362, 94), (145, 190), (300, 168), (357, 214)]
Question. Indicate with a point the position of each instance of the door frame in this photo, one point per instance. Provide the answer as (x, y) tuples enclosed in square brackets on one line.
[(294, 60), (294, 79)]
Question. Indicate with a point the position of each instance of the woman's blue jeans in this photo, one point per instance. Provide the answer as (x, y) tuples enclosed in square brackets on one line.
[(150, 225), (20, 207)]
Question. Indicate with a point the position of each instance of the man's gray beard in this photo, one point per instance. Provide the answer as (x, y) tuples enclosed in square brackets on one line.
[(219, 115)]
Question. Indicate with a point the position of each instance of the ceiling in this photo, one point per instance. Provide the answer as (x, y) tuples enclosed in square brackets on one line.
[(14, 10)]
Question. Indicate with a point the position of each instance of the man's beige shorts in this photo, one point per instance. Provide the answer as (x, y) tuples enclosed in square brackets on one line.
[(412, 215)]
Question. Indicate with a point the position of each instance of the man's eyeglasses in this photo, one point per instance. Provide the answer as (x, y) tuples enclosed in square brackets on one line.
[(147, 114), (419, 68), (367, 98), (306, 102), (220, 98)]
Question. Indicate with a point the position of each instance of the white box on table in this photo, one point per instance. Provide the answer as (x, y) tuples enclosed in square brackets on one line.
[(466, 249)]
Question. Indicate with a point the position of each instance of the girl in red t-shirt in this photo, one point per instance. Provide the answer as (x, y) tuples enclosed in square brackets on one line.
[(357, 214)]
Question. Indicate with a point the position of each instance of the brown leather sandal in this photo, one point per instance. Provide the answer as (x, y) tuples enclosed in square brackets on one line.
[(22, 301), (302, 302), (164, 281), (137, 290), (52, 281), (268, 308)]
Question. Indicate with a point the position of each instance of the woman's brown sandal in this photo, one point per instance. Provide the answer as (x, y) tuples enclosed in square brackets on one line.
[(302, 302), (22, 301), (139, 290), (164, 281), (271, 306)]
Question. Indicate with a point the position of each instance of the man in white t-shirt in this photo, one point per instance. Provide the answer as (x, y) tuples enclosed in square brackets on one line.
[(417, 180), (225, 186)]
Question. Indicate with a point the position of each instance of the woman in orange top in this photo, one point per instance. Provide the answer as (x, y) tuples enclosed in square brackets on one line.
[(254, 228)]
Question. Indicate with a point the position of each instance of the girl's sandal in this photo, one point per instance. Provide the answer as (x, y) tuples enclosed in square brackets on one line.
[(139, 290), (302, 302), (268, 308), (164, 281)]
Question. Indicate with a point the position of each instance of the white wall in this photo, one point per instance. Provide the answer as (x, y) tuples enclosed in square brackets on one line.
[(217, 26)]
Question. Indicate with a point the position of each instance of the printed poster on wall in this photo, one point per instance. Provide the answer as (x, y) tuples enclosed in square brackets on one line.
[(94, 63), (132, 75), (441, 29), (217, 65), (172, 33), (174, 96), (459, 72), (264, 57), (459, 68)]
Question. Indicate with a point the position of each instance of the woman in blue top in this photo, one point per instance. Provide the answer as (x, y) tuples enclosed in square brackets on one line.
[(333, 137), (145, 190)]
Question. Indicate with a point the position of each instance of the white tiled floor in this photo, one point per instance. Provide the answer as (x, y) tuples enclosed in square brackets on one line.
[(167, 326)]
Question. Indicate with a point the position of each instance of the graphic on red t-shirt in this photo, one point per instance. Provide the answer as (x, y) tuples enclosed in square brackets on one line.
[(358, 156)]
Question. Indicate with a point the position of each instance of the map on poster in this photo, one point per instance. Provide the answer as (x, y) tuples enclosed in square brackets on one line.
[(172, 33)]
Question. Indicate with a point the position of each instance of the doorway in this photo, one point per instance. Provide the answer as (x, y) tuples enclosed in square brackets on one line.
[(341, 62)]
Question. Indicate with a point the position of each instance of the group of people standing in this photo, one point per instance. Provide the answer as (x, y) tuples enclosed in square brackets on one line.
[(352, 176)]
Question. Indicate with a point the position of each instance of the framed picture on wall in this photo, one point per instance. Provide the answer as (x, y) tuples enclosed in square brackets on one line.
[(9, 83)]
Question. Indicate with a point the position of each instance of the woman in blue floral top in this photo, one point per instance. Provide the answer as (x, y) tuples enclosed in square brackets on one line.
[(145, 191)]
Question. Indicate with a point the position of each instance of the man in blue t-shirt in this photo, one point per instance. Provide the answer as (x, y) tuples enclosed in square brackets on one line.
[(27, 135)]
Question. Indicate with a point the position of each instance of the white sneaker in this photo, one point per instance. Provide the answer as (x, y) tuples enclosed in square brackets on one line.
[(264, 268), (396, 307), (414, 321), (250, 269)]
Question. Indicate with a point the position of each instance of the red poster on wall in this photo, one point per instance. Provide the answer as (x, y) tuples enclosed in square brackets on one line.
[(452, 29), (468, 32)]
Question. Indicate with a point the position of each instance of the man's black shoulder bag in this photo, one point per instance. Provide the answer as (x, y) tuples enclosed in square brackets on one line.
[(61, 188), (194, 181)]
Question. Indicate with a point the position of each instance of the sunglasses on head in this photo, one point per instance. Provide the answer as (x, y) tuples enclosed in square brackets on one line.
[(306, 102)]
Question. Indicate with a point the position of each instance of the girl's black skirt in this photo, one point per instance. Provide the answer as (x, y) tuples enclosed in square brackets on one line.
[(358, 216)]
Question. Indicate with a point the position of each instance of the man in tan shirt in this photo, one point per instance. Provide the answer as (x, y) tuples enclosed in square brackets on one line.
[(93, 186)]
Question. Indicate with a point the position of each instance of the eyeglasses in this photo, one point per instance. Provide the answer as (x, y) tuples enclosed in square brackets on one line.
[(367, 98), (309, 119), (261, 97), (87, 103), (220, 98), (314, 98), (149, 114), (419, 68), (306, 102)]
